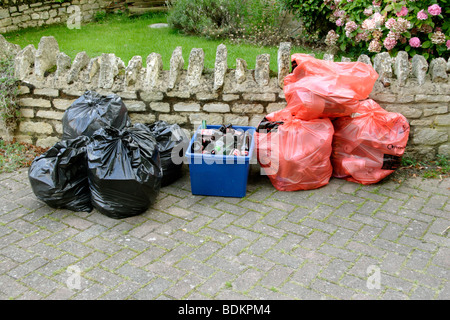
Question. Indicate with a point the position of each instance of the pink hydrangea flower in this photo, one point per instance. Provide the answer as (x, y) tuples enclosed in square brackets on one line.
[(361, 37), (351, 26), (368, 11), (376, 3), (331, 38), (337, 13), (434, 9), (402, 25), (438, 38), (389, 43), (426, 28), (339, 22), (378, 19), (390, 24), (369, 24), (422, 15), (394, 35), (448, 44), (374, 46), (403, 12), (414, 42)]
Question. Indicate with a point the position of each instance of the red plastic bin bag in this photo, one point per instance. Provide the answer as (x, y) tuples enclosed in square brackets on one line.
[(295, 155), (368, 146), (319, 88)]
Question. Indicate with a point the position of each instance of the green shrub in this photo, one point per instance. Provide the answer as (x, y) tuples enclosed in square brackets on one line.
[(260, 22), (192, 16), (314, 17), (100, 16)]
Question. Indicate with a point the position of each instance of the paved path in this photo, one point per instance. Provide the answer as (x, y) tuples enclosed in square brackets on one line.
[(343, 241)]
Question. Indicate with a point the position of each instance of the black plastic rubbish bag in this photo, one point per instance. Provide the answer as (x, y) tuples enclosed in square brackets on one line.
[(172, 143), (59, 176), (124, 170), (93, 111)]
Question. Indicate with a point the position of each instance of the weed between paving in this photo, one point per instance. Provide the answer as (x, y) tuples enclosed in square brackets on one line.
[(15, 155)]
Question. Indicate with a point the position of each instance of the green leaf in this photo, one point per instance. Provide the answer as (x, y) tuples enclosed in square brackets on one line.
[(407, 48), (426, 44), (342, 46), (441, 49)]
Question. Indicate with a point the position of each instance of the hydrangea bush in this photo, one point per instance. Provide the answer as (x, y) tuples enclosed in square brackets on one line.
[(366, 26)]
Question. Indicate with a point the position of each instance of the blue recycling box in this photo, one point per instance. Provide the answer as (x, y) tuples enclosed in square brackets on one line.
[(219, 175)]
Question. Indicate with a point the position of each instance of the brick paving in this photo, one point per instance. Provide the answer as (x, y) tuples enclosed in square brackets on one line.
[(343, 241)]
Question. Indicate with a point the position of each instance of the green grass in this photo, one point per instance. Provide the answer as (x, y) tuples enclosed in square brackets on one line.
[(128, 37), (11, 156), (439, 168)]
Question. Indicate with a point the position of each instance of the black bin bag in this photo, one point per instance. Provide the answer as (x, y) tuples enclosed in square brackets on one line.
[(93, 111), (124, 171), (59, 176), (172, 144)]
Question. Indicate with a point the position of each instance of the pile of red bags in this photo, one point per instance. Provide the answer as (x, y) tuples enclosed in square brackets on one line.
[(328, 128)]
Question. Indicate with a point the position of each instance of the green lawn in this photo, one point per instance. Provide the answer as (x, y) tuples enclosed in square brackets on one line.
[(127, 37)]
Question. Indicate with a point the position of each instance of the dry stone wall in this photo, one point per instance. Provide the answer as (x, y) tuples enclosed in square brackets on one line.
[(240, 96), (16, 15)]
